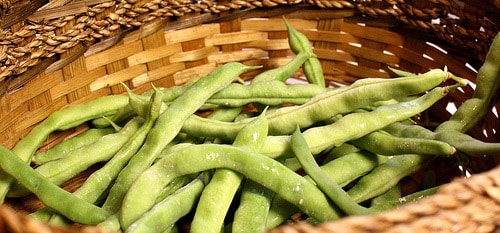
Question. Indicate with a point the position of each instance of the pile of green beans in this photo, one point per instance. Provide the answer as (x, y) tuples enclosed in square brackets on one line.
[(267, 150)]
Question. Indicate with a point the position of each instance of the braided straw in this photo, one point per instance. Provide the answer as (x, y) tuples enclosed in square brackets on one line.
[(464, 205), (54, 30)]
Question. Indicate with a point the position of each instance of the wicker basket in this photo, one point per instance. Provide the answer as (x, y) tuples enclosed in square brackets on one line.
[(61, 53)]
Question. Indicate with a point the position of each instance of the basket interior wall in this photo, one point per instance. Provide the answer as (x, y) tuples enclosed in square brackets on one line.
[(349, 47)]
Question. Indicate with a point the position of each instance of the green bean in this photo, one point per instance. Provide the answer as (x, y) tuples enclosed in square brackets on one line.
[(461, 141), (323, 181), (97, 183), (343, 170), (413, 197), (387, 175), (61, 149), (468, 144), (282, 73), (251, 214), (352, 166), (279, 211), (60, 120), (340, 151), (293, 187), (50, 194), (162, 217), (300, 43), (78, 160), (217, 196), (168, 125), (354, 125), (393, 193), (382, 143), (473, 110), (323, 106), (400, 73), (266, 93)]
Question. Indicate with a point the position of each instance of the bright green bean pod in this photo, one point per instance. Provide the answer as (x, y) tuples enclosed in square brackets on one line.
[(217, 196), (50, 194), (167, 212), (97, 183), (251, 214), (262, 169), (473, 110), (410, 198), (461, 141), (300, 43), (168, 125), (78, 160), (279, 211), (400, 73), (387, 175), (314, 71), (282, 73), (266, 93), (61, 120), (323, 106), (352, 166), (322, 180), (60, 150), (354, 125), (392, 194), (382, 143), (467, 144)]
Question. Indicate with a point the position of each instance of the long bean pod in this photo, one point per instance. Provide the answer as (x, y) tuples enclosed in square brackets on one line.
[(77, 161), (162, 217), (473, 110), (295, 188), (251, 214), (323, 181), (218, 194), (382, 143), (300, 43), (284, 72), (169, 124), (60, 120), (61, 149), (354, 125), (387, 175), (50, 194), (323, 106)]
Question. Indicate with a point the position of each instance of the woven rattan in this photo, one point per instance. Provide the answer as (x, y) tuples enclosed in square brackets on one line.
[(60, 53)]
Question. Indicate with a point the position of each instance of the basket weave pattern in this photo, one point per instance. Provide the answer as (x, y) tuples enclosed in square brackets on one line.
[(62, 53)]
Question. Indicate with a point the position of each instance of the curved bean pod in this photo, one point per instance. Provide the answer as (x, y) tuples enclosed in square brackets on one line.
[(50, 194), (388, 174), (473, 110), (252, 212), (461, 141), (61, 120), (282, 73), (322, 180), (169, 124), (294, 188), (217, 196), (77, 161), (61, 149), (300, 43), (161, 217), (354, 125), (382, 143), (323, 106)]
